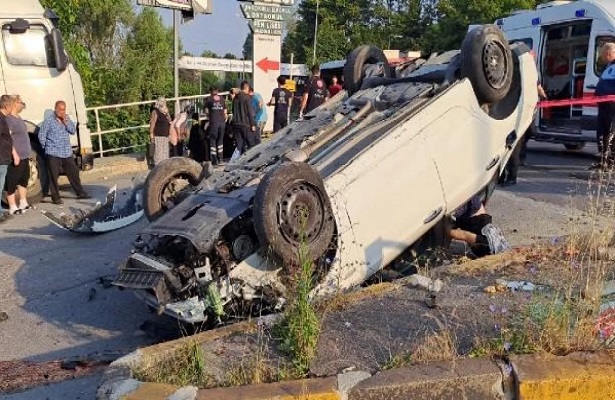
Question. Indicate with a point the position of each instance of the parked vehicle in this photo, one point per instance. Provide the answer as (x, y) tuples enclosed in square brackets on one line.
[(358, 181), (566, 37), (34, 64)]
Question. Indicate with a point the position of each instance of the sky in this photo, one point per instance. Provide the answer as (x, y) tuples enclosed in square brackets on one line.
[(223, 31)]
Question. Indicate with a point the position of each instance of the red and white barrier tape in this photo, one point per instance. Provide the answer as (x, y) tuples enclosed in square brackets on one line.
[(585, 101)]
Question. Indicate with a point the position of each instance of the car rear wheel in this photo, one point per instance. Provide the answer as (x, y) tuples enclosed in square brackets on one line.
[(486, 60), (292, 213), (166, 182), (362, 62)]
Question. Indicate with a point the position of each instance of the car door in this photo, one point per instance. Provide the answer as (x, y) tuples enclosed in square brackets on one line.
[(602, 33), (392, 195), (466, 148)]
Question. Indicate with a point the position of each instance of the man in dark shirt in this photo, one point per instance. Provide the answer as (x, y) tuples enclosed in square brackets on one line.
[(244, 124), (606, 110), (315, 93), (8, 154), (282, 99), (216, 107)]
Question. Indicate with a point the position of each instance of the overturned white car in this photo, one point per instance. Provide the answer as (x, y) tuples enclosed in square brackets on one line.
[(358, 181)]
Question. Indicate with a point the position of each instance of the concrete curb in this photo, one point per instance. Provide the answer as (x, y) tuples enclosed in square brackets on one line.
[(576, 376)]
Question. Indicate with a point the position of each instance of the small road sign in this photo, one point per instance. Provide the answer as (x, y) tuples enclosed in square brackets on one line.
[(264, 27), (265, 12)]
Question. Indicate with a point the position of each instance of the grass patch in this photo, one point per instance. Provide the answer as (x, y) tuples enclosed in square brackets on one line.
[(439, 346), (185, 366), (299, 328)]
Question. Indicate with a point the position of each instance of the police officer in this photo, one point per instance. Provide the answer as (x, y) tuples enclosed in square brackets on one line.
[(315, 93), (216, 108), (606, 110)]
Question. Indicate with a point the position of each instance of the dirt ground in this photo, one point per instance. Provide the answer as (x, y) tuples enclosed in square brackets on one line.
[(367, 329)]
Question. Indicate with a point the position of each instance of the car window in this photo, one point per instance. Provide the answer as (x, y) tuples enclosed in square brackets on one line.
[(600, 65), (529, 42), (31, 48)]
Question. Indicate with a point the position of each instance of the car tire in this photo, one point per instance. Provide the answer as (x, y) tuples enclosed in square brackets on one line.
[(357, 60), (279, 199), (486, 60), (35, 189), (157, 191), (574, 146)]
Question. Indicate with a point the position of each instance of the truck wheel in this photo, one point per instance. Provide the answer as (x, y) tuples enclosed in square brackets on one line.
[(35, 190), (165, 182), (361, 63), (574, 146), (291, 211), (486, 60)]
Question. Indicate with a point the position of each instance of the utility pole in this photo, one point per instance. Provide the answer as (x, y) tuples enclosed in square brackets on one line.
[(316, 31), (176, 22)]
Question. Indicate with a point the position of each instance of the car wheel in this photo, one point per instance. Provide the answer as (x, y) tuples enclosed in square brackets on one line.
[(166, 181), (486, 60), (292, 211), (574, 146), (362, 62), (35, 190)]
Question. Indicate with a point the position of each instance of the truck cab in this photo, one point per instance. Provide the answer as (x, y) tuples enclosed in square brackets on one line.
[(566, 37), (34, 65)]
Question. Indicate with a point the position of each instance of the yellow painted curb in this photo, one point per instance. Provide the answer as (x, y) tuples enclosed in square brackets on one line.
[(309, 389), (575, 377), (151, 391)]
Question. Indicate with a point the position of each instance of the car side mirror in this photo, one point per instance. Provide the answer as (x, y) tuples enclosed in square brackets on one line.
[(57, 45)]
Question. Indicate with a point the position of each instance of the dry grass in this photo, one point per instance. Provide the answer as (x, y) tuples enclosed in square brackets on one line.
[(439, 346), (185, 366)]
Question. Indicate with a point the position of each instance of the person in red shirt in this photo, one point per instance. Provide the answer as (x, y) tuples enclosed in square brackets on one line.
[(335, 87)]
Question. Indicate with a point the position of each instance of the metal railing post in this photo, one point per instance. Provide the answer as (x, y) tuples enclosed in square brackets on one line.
[(98, 130)]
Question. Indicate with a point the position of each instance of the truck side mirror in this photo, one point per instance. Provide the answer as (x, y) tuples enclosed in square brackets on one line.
[(57, 45)]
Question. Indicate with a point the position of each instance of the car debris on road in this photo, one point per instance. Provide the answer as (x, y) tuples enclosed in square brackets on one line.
[(103, 217), (221, 243)]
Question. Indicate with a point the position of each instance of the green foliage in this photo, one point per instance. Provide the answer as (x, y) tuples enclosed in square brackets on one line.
[(427, 25), (300, 328)]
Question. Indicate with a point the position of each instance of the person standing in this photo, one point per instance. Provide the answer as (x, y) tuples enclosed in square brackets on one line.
[(54, 137), (281, 99), (178, 133), (159, 130), (18, 174), (244, 123), (335, 87), (606, 110), (218, 113), (315, 93), (8, 154), (197, 141), (260, 114)]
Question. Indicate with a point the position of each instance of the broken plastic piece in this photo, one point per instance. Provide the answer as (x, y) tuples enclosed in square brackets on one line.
[(426, 283), (102, 218)]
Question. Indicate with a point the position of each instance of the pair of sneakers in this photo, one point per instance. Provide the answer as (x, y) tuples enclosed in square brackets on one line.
[(21, 210)]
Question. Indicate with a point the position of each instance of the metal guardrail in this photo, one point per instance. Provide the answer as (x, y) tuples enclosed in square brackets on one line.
[(100, 132)]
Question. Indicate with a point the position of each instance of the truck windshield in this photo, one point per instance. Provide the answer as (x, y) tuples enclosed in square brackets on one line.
[(30, 48)]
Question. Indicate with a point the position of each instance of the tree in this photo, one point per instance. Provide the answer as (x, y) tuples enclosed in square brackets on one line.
[(248, 47)]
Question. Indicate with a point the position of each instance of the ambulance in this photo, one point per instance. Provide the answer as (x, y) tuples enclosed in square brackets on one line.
[(566, 37)]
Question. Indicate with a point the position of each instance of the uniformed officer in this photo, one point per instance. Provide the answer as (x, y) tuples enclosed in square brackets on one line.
[(606, 110), (315, 93)]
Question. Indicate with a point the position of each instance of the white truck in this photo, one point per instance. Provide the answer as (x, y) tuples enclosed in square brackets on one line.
[(34, 65), (566, 37)]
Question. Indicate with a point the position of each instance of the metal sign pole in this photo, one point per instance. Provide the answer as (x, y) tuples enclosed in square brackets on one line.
[(176, 23)]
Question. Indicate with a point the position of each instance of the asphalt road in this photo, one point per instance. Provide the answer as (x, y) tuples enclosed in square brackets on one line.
[(49, 278)]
